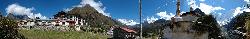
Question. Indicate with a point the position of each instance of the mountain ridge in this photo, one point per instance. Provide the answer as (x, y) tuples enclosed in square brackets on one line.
[(92, 16)]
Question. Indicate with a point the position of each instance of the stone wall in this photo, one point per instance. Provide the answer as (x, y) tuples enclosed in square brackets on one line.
[(182, 29)]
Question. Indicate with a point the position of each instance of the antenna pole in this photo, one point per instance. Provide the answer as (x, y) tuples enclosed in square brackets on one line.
[(140, 12)]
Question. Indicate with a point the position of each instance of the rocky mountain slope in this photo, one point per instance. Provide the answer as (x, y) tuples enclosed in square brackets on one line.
[(93, 17), (17, 17), (236, 28)]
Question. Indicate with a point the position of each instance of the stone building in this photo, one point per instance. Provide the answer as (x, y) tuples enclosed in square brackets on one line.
[(182, 24), (182, 27)]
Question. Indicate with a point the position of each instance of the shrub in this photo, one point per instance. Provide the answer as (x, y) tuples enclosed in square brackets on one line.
[(8, 29)]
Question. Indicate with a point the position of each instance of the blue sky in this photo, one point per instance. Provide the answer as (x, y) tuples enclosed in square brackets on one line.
[(126, 11)]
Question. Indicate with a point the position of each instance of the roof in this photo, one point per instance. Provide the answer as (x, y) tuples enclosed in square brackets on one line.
[(128, 30)]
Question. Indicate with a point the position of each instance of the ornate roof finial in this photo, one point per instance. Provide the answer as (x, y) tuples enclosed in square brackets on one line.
[(178, 8)]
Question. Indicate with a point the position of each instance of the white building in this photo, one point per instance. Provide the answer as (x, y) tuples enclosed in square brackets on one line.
[(68, 22)]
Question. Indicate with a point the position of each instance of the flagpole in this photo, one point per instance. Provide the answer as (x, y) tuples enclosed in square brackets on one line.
[(140, 12)]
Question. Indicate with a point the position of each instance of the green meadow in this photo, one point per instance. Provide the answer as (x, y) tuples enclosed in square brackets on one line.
[(39, 34)]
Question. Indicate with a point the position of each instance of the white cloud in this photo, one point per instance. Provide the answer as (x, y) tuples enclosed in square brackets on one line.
[(237, 11), (128, 22), (207, 9), (17, 9), (40, 16), (151, 19), (20, 10), (97, 5), (202, 0), (164, 15), (192, 3), (246, 0)]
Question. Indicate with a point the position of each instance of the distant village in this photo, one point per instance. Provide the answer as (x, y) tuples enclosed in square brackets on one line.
[(60, 20)]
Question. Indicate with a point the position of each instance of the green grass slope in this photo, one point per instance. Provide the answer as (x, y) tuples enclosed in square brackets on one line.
[(39, 34)]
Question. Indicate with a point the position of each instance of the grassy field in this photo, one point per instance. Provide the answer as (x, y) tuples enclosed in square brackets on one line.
[(38, 34)]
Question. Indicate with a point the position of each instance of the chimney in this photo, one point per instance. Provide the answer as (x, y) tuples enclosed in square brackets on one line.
[(191, 9), (191, 6), (178, 8)]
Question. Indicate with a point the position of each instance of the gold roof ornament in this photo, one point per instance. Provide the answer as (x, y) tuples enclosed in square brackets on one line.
[(178, 8)]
